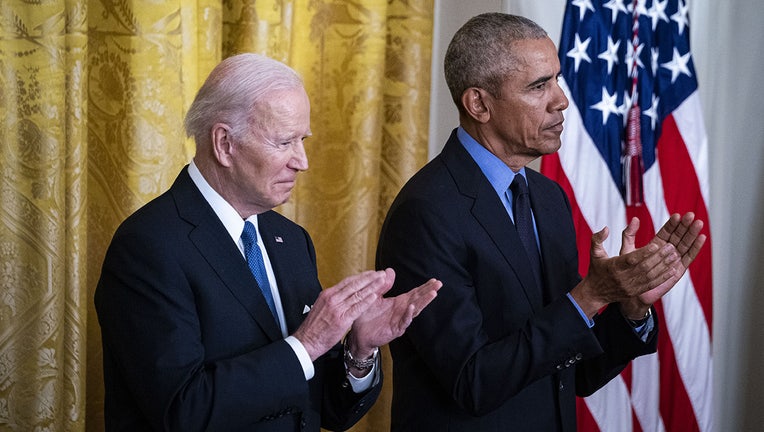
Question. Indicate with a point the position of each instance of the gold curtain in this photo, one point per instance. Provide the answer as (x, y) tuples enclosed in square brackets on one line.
[(92, 97)]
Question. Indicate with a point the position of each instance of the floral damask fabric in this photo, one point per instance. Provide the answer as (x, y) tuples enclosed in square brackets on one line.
[(43, 234), (92, 98)]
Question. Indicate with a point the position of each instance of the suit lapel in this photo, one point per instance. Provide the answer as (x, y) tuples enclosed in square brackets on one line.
[(297, 280), (546, 200), (490, 214), (214, 243)]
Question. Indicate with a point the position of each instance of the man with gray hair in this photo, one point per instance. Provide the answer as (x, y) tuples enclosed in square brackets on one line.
[(515, 333), (212, 315)]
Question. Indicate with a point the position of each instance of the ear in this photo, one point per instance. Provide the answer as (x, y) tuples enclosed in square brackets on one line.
[(222, 146), (474, 101)]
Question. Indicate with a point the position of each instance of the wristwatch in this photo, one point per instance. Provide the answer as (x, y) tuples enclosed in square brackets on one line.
[(363, 364), (640, 322)]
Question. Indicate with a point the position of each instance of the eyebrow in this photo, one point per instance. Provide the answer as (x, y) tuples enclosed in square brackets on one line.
[(544, 79)]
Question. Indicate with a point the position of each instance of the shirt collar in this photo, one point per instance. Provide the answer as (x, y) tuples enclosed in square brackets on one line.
[(230, 218), (496, 171)]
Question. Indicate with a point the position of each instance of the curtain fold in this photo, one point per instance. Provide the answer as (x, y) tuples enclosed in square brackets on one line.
[(42, 216), (92, 99)]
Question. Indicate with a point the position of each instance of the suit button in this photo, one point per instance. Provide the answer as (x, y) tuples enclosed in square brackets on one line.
[(561, 386)]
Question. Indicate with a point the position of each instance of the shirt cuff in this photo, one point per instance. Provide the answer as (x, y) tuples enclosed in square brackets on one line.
[(302, 355), (643, 331), (589, 322)]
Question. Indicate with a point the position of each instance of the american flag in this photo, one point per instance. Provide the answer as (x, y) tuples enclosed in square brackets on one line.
[(620, 60)]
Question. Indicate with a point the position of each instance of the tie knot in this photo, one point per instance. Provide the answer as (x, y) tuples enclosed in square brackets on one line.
[(518, 186), (249, 235)]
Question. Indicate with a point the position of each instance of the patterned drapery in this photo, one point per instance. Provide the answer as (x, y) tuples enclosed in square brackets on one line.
[(92, 97)]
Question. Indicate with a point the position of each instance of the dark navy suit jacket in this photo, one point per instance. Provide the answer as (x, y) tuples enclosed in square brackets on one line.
[(188, 340), (487, 355)]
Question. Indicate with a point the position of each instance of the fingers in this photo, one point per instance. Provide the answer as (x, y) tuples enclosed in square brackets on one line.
[(403, 322), (669, 227), (362, 288), (664, 268), (688, 237), (682, 228), (597, 250), (337, 307), (629, 236), (694, 249), (640, 271), (421, 296), (684, 233), (413, 303)]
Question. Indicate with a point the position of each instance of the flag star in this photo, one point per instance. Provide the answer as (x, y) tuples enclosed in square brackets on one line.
[(658, 12), (654, 60), (583, 5), (678, 65), (623, 110), (578, 53), (615, 7), (652, 112), (641, 8), (631, 56), (611, 54), (606, 105), (681, 16)]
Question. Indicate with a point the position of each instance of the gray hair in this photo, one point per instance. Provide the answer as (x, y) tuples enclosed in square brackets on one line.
[(233, 89), (480, 53)]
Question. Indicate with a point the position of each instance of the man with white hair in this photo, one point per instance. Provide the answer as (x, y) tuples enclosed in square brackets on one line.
[(211, 311)]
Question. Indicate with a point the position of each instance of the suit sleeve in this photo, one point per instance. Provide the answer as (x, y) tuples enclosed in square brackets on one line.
[(480, 338), (150, 321)]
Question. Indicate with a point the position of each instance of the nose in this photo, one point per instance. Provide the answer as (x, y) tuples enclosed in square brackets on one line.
[(560, 101), (299, 160)]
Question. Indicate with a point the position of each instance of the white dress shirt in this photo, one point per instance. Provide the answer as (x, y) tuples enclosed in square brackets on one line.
[(234, 224)]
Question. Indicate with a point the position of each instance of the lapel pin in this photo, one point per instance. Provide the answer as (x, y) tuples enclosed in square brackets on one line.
[(279, 239)]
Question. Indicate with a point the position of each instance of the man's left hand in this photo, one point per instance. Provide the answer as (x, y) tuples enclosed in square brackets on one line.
[(389, 317)]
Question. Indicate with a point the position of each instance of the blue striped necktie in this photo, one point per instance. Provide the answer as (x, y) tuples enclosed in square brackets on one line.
[(256, 264)]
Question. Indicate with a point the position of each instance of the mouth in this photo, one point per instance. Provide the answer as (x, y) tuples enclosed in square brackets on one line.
[(556, 127)]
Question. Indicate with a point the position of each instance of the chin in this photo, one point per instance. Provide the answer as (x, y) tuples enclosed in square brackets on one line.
[(551, 147)]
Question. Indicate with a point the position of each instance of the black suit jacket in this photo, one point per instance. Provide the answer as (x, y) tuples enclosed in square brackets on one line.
[(188, 340), (487, 355)]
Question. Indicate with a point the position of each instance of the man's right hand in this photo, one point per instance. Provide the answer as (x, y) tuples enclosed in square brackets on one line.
[(649, 271), (684, 233), (337, 307)]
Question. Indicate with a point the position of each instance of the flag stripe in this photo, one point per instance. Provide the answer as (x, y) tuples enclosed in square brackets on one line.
[(599, 200), (675, 406), (551, 164), (645, 392), (682, 193), (672, 389)]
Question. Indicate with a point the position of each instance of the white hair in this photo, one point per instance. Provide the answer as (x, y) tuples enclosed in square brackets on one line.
[(233, 89)]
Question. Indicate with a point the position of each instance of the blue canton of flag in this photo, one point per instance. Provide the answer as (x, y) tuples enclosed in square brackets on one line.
[(597, 43)]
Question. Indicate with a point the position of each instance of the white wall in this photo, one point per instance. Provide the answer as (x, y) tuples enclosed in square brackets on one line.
[(728, 56)]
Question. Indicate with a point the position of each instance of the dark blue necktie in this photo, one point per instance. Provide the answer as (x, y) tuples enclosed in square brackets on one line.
[(256, 264), (521, 207)]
